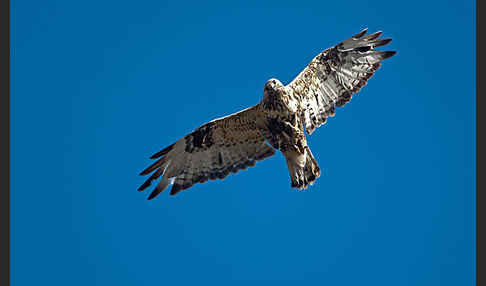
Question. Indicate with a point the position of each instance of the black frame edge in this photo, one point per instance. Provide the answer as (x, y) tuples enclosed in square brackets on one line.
[(6, 153)]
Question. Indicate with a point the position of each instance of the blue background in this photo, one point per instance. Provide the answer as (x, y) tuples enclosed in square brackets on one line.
[(98, 86)]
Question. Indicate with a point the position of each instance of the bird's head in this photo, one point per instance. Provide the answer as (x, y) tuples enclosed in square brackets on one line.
[(271, 88), (272, 85)]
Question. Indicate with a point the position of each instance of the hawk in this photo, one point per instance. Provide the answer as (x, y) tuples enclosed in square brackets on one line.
[(237, 141)]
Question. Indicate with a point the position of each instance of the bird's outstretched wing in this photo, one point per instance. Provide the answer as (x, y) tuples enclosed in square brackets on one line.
[(334, 75), (212, 151)]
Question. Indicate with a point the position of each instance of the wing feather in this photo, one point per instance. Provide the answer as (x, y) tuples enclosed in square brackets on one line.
[(211, 152), (337, 73)]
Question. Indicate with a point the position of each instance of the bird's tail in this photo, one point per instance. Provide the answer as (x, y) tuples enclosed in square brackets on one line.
[(303, 168)]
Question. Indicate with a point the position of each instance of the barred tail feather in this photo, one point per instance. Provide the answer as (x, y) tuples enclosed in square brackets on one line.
[(303, 168)]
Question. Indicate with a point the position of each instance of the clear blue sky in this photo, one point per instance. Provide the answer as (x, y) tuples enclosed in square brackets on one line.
[(99, 86)]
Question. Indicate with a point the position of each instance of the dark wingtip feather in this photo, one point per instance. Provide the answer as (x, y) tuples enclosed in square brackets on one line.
[(154, 176), (361, 34), (144, 186), (163, 152), (382, 42), (152, 167), (175, 189), (148, 170), (388, 54), (154, 194), (373, 36)]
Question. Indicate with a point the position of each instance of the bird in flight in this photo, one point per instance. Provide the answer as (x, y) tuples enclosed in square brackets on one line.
[(237, 141)]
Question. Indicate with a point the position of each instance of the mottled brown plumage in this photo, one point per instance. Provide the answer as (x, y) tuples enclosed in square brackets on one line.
[(237, 141)]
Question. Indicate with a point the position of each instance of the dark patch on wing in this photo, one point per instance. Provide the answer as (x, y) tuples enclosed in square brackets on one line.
[(201, 138), (276, 126), (363, 49), (330, 55)]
